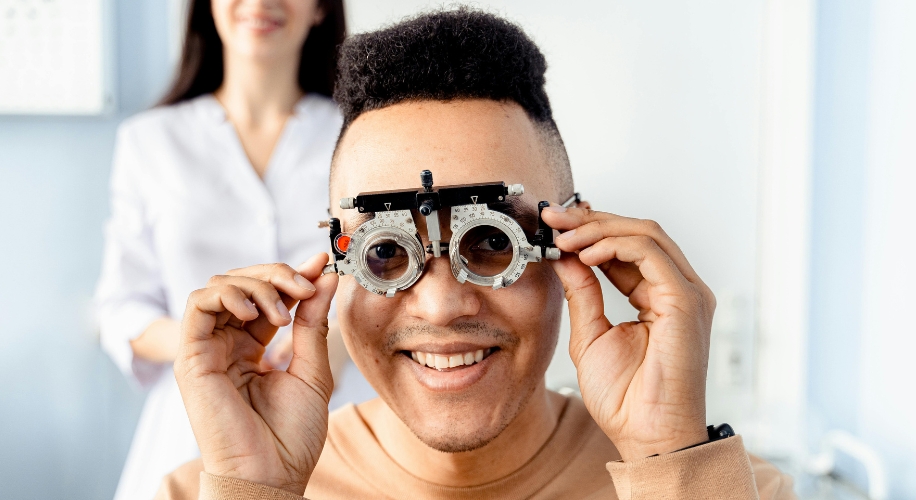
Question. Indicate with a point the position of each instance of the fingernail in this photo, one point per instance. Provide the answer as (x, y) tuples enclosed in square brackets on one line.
[(283, 310), (304, 283), (250, 306), (567, 235), (556, 208)]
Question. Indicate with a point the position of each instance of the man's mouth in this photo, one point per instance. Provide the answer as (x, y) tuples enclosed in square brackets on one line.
[(446, 362)]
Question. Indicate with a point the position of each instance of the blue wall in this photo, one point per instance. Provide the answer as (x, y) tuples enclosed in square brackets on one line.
[(838, 204), (66, 414), (854, 74)]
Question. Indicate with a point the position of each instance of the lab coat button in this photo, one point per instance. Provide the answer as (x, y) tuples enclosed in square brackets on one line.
[(265, 220)]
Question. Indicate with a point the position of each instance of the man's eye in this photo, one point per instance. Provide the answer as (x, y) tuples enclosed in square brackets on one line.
[(384, 251), (494, 243)]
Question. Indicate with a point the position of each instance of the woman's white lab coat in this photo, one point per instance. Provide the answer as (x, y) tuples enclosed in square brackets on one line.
[(186, 205)]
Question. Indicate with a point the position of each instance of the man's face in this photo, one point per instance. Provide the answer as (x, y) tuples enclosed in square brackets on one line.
[(461, 142)]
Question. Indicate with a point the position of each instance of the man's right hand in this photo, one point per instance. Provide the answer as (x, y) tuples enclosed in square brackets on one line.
[(265, 427)]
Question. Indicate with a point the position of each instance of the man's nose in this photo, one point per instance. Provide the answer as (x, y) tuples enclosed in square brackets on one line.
[(438, 298)]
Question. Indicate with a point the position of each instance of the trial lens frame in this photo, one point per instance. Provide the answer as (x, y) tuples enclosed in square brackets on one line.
[(393, 223)]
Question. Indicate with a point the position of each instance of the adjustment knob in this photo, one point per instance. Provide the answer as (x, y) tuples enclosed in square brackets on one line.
[(515, 190), (552, 253), (426, 180), (347, 203)]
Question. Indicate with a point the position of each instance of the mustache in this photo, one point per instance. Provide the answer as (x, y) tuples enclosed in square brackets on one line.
[(476, 329)]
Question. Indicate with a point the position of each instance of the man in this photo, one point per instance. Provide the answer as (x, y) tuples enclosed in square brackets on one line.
[(461, 93)]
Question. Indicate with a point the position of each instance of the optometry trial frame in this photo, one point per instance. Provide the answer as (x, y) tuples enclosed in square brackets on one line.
[(487, 248)]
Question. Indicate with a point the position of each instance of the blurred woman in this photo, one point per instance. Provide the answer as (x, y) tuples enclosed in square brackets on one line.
[(231, 169)]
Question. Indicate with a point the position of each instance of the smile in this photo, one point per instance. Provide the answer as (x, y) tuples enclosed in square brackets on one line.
[(261, 24), (445, 361), (454, 368)]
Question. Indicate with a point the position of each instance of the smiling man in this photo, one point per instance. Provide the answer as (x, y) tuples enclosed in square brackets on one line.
[(463, 410)]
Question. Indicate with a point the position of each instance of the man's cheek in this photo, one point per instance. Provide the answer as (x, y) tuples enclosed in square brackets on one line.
[(362, 319), (535, 305), (538, 295)]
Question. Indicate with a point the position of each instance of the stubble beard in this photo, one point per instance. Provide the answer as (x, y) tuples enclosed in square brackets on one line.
[(455, 442), (480, 437)]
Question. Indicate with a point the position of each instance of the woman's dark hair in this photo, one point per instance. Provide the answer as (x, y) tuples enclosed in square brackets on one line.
[(201, 68)]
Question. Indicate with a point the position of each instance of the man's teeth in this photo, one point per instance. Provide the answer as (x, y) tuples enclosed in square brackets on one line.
[(441, 362)]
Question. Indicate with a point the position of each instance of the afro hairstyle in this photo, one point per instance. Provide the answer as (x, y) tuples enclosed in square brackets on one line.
[(448, 55)]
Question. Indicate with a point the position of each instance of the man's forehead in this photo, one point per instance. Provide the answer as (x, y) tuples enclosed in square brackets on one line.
[(461, 142)]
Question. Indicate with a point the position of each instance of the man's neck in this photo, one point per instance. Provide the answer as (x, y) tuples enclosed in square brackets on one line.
[(508, 452)]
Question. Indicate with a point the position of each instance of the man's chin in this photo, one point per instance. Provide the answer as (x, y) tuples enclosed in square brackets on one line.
[(457, 410), (460, 438), (465, 422)]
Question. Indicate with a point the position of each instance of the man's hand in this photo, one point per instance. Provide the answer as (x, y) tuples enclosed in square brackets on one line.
[(644, 382), (266, 427)]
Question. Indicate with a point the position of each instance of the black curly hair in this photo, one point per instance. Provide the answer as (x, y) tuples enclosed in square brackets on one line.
[(447, 55)]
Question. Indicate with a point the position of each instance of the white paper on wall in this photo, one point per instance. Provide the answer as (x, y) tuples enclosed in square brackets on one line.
[(52, 57)]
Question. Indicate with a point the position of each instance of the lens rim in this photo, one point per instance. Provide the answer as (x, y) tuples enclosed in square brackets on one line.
[(464, 218), (397, 226)]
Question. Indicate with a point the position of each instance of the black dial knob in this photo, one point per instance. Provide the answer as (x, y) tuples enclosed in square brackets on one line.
[(426, 207), (426, 180)]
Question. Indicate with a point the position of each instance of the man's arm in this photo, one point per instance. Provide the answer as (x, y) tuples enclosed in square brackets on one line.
[(718, 470), (644, 382), (189, 482)]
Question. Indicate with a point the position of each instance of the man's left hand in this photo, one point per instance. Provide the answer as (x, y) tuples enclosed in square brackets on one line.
[(644, 382)]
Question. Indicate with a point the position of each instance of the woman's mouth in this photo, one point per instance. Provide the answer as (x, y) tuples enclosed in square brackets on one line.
[(259, 23)]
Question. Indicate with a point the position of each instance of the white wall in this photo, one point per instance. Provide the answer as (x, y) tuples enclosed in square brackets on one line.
[(658, 105)]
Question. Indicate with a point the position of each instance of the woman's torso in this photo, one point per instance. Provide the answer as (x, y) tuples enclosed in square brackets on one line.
[(207, 209)]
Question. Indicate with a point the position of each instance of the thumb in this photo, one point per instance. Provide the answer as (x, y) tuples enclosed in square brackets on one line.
[(586, 303), (310, 337)]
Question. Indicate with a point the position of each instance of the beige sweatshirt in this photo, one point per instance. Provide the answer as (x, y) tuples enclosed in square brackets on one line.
[(574, 463)]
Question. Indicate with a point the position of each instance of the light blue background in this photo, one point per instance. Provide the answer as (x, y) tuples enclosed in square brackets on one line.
[(67, 415)]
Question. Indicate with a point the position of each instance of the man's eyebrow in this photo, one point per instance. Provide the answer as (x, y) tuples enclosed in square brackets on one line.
[(525, 215), (352, 223)]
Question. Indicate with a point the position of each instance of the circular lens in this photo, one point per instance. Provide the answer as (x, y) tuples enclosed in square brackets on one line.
[(386, 259), (486, 250)]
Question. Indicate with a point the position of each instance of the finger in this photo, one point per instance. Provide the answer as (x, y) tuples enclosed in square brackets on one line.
[(283, 277), (586, 304), (625, 276), (205, 304), (266, 298), (654, 265), (310, 344), (312, 268), (584, 227), (640, 298)]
